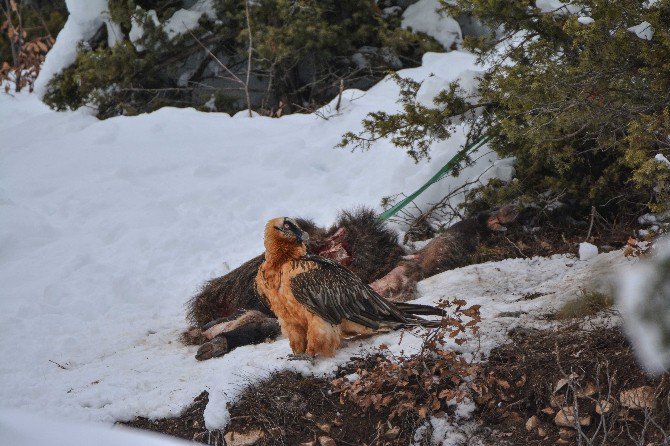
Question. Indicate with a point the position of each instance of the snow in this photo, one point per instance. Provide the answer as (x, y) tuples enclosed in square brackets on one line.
[(185, 20), (137, 28), (423, 16), (636, 285), (662, 159), (644, 30), (181, 22), (468, 82), (22, 429), (85, 17), (557, 7), (585, 20), (587, 251)]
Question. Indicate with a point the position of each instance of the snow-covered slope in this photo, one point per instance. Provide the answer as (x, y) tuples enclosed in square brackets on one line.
[(109, 226)]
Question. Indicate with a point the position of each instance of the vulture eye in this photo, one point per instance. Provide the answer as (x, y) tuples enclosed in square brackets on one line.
[(287, 226)]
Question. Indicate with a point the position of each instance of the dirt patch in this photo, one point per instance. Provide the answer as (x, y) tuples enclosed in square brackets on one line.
[(558, 377), (190, 425), (546, 240), (293, 409), (290, 409)]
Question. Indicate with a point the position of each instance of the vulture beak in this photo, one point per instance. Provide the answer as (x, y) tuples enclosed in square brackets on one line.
[(300, 235)]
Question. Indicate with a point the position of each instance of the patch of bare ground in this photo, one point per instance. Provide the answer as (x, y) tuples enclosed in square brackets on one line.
[(546, 240), (190, 425), (571, 386), (290, 409)]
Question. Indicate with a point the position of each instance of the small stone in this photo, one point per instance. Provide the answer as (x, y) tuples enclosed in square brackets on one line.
[(324, 427), (392, 433), (532, 423), (603, 406), (326, 441), (243, 438), (638, 398)]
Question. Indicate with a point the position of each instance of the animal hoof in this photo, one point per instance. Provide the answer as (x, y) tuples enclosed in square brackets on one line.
[(212, 349)]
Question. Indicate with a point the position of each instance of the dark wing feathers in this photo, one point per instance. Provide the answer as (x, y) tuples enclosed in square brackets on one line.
[(334, 293)]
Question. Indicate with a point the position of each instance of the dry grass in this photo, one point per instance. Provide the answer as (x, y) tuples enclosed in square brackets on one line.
[(588, 304)]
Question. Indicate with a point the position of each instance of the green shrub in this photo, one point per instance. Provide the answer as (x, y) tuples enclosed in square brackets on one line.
[(584, 109), (301, 50)]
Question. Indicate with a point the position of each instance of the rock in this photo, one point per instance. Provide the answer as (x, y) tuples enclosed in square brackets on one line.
[(392, 433), (370, 56), (603, 406), (324, 427), (326, 441), (638, 398), (532, 423), (243, 438), (566, 418)]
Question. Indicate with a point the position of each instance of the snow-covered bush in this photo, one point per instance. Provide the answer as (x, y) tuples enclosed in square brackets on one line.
[(225, 55), (576, 93)]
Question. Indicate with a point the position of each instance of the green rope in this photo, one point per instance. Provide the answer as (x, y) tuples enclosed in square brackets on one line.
[(453, 162)]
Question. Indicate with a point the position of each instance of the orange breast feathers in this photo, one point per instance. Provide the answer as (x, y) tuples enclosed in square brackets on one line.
[(307, 332)]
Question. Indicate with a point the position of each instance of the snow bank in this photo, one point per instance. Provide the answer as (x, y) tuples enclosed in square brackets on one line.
[(423, 16), (22, 429)]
